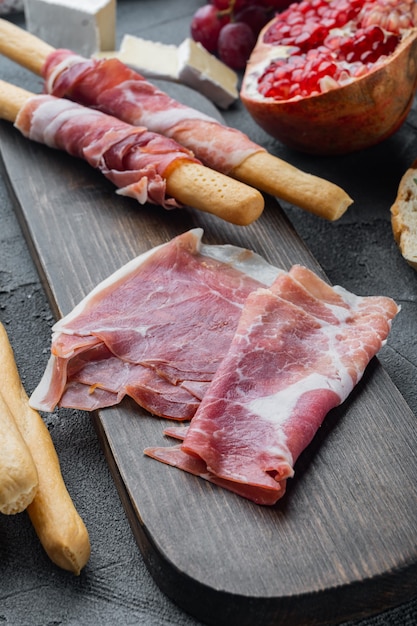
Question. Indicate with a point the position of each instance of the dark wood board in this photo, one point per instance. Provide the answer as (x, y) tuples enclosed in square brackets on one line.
[(342, 543)]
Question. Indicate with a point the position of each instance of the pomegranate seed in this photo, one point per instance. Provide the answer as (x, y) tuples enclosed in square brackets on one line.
[(294, 18), (331, 42)]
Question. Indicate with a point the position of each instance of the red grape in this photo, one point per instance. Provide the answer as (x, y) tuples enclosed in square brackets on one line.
[(235, 43), (231, 5), (240, 4), (254, 16), (222, 5), (231, 46), (275, 5), (206, 26)]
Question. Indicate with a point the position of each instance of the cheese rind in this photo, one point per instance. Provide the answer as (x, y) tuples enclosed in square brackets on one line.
[(84, 27), (205, 73), (189, 63)]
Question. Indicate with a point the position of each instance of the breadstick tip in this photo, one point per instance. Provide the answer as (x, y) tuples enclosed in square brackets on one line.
[(208, 190), (286, 182)]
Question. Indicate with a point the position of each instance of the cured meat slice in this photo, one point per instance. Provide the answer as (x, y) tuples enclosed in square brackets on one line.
[(112, 87), (155, 330), (133, 158), (96, 379), (299, 349)]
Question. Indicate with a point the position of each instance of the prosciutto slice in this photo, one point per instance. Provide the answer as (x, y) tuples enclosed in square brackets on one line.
[(133, 158), (112, 87), (299, 349), (156, 330)]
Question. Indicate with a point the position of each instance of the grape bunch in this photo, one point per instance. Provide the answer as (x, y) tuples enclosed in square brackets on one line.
[(229, 28)]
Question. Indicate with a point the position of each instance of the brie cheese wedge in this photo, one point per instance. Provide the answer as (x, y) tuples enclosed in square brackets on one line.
[(84, 27)]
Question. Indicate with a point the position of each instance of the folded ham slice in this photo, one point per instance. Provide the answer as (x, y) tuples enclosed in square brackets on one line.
[(299, 349), (133, 158), (112, 87), (155, 330), (254, 356)]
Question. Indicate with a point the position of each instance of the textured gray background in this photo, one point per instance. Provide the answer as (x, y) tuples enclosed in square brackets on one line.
[(358, 252)]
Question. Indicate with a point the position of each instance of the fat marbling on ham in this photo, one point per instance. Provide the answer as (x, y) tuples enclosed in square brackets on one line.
[(155, 330), (133, 158), (112, 87), (299, 349)]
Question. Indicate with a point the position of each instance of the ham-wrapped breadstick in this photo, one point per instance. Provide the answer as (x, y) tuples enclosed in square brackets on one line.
[(114, 88), (144, 165)]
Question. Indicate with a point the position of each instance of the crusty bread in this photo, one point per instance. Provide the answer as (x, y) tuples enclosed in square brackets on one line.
[(404, 216)]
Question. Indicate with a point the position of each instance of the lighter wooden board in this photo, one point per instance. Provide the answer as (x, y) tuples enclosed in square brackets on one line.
[(333, 548)]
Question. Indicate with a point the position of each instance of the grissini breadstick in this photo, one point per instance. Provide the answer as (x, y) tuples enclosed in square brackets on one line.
[(18, 474), (12, 98), (261, 169), (23, 47), (52, 512), (210, 191), (188, 182), (308, 192)]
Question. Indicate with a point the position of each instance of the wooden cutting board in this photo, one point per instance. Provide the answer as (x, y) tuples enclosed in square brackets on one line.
[(342, 543)]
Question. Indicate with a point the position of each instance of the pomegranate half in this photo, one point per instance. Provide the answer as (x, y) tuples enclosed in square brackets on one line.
[(334, 76)]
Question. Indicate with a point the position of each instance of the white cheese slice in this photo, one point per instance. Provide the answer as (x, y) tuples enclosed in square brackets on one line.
[(83, 26), (204, 72), (189, 64), (155, 59)]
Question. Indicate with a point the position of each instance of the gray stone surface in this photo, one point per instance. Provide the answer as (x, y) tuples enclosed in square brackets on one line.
[(358, 252)]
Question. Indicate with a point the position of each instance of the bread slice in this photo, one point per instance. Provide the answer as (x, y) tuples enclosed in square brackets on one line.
[(404, 216)]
